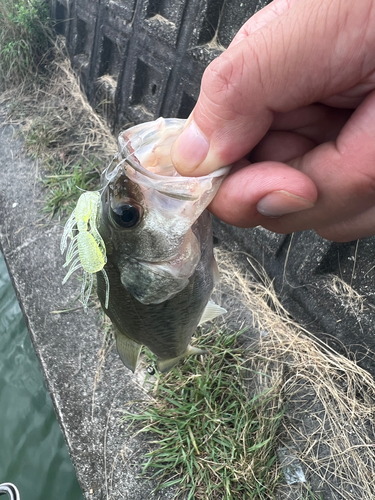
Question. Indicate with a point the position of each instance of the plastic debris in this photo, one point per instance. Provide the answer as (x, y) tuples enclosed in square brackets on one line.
[(291, 466)]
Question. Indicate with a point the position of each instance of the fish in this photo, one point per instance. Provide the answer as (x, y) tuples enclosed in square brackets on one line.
[(157, 272)]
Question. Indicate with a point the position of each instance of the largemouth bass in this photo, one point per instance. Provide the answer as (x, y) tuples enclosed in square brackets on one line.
[(148, 238)]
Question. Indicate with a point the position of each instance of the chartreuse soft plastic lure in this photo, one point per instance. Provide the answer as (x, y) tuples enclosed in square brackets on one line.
[(86, 249)]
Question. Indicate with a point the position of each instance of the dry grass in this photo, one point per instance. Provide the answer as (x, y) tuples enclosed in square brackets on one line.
[(350, 299), (60, 127), (105, 93), (329, 424)]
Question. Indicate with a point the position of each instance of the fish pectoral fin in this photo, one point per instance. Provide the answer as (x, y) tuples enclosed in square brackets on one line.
[(128, 350), (211, 312), (164, 365)]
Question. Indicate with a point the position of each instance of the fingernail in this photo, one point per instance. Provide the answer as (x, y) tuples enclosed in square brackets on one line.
[(281, 203), (190, 149)]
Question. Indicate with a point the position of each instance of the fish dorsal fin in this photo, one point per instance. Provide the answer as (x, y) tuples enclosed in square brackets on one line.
[(164, 365), (128, 350), (212, 311)]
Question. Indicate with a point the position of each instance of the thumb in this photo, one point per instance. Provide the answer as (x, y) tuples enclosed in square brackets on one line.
[(310, 52)]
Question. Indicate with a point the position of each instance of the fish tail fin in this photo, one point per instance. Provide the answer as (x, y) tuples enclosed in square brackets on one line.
[(128, 350), (164, 365)]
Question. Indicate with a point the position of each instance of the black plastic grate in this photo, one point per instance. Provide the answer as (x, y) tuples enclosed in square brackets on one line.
[(156, 50)]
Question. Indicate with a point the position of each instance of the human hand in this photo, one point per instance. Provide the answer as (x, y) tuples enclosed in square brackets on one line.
[(296, 90)]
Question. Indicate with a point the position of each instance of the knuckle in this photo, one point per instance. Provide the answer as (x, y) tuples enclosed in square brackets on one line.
[(224, 83), (220, 76)]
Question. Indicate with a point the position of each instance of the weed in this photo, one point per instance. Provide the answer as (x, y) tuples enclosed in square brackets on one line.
[(66, 184), (311, 495), (60, 128), (213, 439), (24, 39), (40, 137), (330, 414)]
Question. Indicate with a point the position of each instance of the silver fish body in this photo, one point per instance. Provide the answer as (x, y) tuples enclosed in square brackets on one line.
[(158, 241)]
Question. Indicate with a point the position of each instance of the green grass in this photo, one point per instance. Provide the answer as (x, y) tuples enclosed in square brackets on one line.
[(24, 39), (66, 183), (211, 439), (40, 137), (311, 495), (67, 174), (42, 95)]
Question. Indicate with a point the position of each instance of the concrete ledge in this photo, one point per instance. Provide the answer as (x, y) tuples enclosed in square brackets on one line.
[(67, 344)]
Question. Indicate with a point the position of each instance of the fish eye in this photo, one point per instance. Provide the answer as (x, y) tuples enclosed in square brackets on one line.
[(126, 215)]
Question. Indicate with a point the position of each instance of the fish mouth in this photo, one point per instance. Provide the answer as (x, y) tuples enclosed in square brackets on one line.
[(180, 187), (161, 251), (144, 157)]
